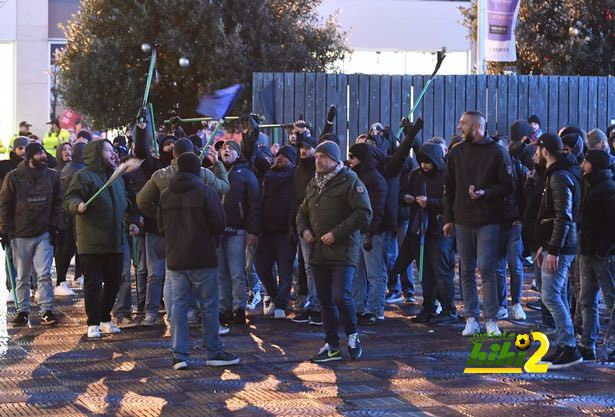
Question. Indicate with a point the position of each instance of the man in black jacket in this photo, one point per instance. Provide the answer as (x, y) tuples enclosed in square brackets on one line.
[(557, 236), (192, 218), (30, 215), (369, 284), (243, 225), (597, 247), (478, 177), (275, 245)]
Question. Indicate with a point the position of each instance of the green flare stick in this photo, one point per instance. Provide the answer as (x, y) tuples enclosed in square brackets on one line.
[(153, 127), (212, 137), (9, 269), (150, 75), (204, 119)]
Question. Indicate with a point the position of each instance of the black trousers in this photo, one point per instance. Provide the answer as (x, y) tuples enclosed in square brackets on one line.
[(98, 269), (65, 249)]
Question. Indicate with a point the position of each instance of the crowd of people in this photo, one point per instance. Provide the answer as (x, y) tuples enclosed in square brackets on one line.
[(213, 231)]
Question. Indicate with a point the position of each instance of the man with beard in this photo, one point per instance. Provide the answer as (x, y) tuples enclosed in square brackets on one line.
[(558, 240), (477, 179), (275, 246), (100, 233), (30, 215), (243, 223)]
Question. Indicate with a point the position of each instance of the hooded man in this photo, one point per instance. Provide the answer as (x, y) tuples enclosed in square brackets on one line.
[(100, 232), (30, 216), (597, 247), (369, 285), (557, 236), (422, 190)]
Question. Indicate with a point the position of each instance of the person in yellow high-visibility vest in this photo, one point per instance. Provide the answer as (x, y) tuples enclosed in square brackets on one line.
[(54, 136), (24, 130)]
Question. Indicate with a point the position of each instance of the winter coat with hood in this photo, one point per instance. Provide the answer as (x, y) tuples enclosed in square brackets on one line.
[(149, 196), (559, 209), (277, 200), (376, 185), (101, 229), (486, 166), (514, 203), (434, 187), (532, 193), (521, 148), (30, 202), (242, 202), (191, 217), (598, 215), (142, 148)]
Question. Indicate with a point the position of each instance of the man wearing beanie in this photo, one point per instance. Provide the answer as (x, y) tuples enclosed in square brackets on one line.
[(558, 240), (30, 216), (192, 218), (369, 283), (275, 245), (534, 122), (243, 225), (597, 247), (147, 201), (335, 209), (597, 139)]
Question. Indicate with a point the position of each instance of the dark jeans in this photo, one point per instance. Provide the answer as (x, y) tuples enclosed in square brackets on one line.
[(276, 249), (98, 269), (334, 288), (438, 276), (65, 249), (303, 278)]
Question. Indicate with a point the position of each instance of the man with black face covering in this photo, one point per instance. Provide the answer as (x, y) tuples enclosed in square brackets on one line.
[(30, 215)]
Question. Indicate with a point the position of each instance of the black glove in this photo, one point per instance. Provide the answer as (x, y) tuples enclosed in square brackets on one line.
[(367, 243), (142, 116), (331, 114), (411, 129), (53, 235)]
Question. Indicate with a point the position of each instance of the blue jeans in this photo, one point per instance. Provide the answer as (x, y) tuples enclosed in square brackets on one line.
[(333, 284), (438, 276), (156, 264), (276, 249), (402, 282), (33, 255), (554, 297), (232, 272), (253, 280), (123, 302), (204, 284), (510, 252), (477, 247), (140, 262), (596, 275), (369, 283), (311, 284)]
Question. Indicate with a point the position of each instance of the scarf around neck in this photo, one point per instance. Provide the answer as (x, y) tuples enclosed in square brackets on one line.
[(323, 179)]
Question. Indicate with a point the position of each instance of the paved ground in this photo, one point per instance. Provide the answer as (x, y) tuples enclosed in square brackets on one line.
[(406, 370)]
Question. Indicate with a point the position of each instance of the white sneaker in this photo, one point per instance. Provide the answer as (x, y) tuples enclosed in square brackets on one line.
[(222, 330), (94, 332), (109, 327), (472, 327), (279, 314), (255, 299), (502, 313), (78, 282), (268, 306), (438, 307), (63, 290), (518, 313), (492, 328), (10, 299)]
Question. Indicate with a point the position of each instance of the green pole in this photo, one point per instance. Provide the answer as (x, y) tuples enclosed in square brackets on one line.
[(211, 139), (9, 269), (204, 119), (153, 127)]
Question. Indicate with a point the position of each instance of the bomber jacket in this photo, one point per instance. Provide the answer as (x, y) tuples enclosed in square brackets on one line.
[(557, 217), (242, 202), (342, 208), (30, 202)]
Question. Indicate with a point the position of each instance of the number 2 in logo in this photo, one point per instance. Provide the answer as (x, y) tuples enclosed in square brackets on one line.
[(532, 364)]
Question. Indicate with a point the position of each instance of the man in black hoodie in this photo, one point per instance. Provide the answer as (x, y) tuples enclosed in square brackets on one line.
[(369, 284), (243, 225), (478, 178), (557, 235), (597, 247), (192, 218), (422, 190), (275, 245)]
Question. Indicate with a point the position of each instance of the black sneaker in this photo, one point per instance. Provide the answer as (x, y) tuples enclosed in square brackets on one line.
[(533, 305), (226, 318), (327, 354), (409, 298), (179, 364), (569, 357), (21, 319), (589, 354), (393, 297), (446, 317), (301, 318), (222, 359), (422, 317), (239, 317), (611, 356), (354, 346), (48, 318), (549, 358), (367, 319), (316, 318)]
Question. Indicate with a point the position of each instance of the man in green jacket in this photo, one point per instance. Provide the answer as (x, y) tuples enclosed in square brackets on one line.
[(336, 207), (100, 233)]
